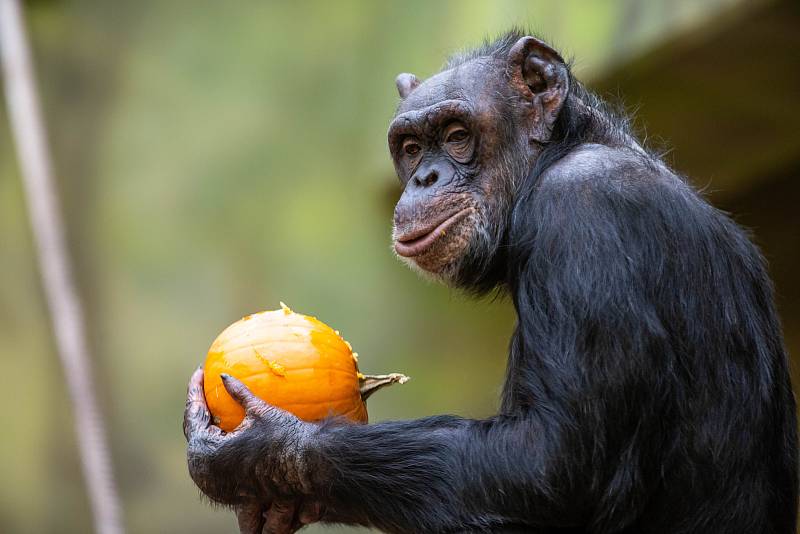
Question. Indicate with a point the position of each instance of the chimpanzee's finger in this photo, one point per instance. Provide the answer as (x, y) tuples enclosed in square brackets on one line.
[(242, 394), (250, 517), (196, 416), (280, 517)]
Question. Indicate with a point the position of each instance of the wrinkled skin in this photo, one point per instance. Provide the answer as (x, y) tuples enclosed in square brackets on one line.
[(266, 492), (460, 142)]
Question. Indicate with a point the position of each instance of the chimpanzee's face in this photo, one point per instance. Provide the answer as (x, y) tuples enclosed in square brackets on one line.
[(462, 142), (447, 144)]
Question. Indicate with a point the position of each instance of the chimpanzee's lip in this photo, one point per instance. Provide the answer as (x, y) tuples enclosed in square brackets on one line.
[(419, 240)]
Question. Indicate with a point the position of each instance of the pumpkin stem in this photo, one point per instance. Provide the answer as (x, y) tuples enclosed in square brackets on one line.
[(369, 384)]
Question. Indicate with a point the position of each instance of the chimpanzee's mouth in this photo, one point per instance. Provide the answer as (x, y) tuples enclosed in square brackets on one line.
[(419, 240)]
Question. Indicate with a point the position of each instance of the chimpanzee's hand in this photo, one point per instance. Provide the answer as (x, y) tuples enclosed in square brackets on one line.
[(260, 468), (279, 517)]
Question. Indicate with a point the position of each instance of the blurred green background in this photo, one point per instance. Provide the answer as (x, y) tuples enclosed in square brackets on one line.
[(214, 158)]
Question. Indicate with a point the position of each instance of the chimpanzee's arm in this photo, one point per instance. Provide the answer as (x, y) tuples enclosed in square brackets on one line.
[(444, 474), (441, 474)]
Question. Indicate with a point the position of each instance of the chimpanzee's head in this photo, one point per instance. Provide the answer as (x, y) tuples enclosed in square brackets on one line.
[(462, 141)]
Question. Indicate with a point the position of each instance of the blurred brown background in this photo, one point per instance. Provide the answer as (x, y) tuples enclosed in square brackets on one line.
[(214, 158)]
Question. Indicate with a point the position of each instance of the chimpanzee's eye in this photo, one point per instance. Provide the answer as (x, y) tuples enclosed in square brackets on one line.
[(456, 133), (411, 146)]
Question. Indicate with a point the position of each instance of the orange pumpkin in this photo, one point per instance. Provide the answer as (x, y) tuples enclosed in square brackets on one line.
[(292, 361)]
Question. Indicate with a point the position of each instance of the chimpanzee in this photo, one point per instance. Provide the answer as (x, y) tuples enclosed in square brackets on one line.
[(647, 388)]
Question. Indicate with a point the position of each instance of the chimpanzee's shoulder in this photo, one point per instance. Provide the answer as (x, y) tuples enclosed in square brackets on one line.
[(592, 161), (627, 171)]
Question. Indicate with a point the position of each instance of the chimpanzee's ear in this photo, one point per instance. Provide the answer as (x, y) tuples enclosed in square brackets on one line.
[(540, 75), (406, 83)]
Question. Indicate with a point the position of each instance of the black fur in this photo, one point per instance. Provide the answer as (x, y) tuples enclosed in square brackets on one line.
[(647, 387)]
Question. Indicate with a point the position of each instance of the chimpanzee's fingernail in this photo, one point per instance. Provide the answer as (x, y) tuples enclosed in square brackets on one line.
[(199, 366), (224, 376)]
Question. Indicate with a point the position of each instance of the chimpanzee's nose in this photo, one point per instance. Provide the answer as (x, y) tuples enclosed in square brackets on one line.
[(426, 178)]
